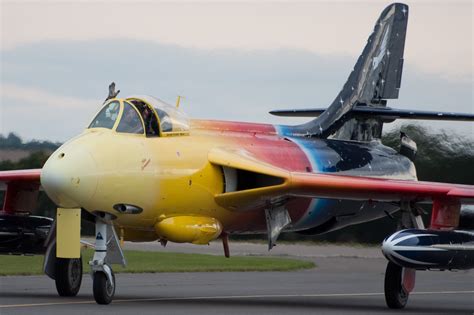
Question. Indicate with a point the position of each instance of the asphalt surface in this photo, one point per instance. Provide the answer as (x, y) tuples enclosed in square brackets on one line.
[(347, 281)]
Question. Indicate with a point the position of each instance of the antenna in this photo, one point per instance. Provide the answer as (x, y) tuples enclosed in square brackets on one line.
[(178, 100)]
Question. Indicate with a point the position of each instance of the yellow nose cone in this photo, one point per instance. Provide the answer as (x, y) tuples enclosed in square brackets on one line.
[(69, 177), (189, 229)]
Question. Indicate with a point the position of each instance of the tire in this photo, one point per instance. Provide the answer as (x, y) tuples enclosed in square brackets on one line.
[(395, 295), (68, 276), (103, 290)]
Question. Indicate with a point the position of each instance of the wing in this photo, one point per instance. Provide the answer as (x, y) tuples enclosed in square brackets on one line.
[(21, 190), (277, 184), (377, 189)]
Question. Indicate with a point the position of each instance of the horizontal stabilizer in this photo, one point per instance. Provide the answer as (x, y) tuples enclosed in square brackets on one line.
[(385, 113)]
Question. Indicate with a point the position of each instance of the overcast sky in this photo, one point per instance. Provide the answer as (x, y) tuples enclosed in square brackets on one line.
[(231, 60)]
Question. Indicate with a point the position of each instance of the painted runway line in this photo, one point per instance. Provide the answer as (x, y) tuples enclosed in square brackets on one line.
[(230, 297)]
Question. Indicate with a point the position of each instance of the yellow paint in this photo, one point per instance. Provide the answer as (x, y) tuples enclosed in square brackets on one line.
[(68, 237), (178, 180), (178, 100), (167, 177), (189, 229), (238, 159)]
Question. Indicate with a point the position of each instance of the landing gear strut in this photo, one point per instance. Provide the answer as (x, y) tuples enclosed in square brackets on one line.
[(400, 281), (107, 252)]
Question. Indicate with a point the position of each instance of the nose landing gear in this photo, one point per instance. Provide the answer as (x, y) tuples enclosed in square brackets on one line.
[(107, 252)]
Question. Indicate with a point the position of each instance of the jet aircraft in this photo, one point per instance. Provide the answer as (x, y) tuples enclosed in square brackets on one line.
[(142, 171)]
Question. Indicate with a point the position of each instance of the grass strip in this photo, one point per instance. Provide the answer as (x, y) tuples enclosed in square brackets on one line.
[(151, 262)]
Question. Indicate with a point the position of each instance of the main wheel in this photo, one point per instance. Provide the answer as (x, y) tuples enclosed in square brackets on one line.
[(395, 295), (68, 276), (104, 289)]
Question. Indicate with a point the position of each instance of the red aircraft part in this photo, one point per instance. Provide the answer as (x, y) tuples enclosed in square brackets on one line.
[(22, 190)]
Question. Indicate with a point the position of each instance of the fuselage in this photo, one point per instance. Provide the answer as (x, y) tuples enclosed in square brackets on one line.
[(171, 176)]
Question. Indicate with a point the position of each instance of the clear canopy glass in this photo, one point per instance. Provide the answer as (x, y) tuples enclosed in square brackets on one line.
[(107, 116), (172, 119), (130, 121)]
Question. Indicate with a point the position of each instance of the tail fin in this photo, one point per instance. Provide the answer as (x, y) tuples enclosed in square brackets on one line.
[(375, 78)]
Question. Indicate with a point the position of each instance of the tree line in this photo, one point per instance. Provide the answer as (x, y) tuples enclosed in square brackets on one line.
[(13, 141)]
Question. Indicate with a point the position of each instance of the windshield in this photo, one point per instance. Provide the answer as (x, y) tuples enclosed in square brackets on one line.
[(107, 116), (130, 121)]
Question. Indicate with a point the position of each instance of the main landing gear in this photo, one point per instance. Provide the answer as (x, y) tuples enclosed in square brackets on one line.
[(396, 295), (400, 281), (66, 272), (68, 276), (107, 252)]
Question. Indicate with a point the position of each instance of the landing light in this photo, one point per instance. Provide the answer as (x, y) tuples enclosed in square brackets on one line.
[(128, 209)]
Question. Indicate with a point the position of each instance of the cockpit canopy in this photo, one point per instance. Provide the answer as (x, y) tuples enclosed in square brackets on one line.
[(172, 119), (142, 115)]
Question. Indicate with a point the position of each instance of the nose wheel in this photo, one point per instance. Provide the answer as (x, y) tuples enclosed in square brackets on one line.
[(103, 287), (107, 252)]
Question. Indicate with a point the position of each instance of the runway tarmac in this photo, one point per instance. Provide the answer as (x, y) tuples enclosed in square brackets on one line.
[(341, 284)]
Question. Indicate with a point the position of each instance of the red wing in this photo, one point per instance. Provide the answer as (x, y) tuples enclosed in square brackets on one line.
[(22, 188), (446, 198), (20, 175), (377, 189)]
